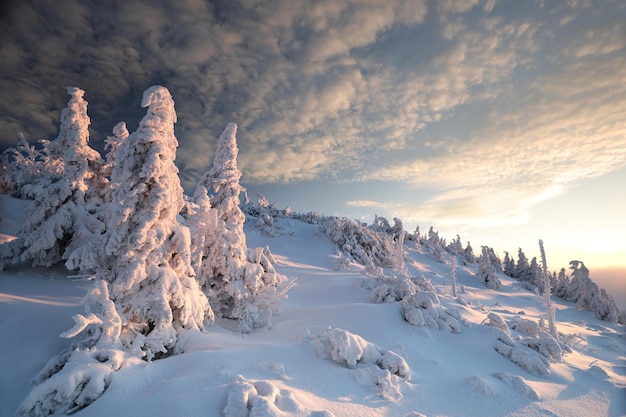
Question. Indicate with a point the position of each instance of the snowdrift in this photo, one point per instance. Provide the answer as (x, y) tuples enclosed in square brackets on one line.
[(345, 343)]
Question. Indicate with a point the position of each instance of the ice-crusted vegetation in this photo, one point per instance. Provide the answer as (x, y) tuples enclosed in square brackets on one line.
[(160, 268)]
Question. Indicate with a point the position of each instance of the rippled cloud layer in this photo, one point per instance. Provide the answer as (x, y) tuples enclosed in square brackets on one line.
[(511, 100)]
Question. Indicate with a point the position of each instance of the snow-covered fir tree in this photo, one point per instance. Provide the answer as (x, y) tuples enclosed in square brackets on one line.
[(534, 278), (468, 253), (241, 283), (522, 268), (487, 272), (588, 296), (146, 260), (562, 284), (455, 247), (509, 265), (62, 220)]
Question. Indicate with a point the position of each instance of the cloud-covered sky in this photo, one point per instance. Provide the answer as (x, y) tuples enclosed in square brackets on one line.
[(475, 116)]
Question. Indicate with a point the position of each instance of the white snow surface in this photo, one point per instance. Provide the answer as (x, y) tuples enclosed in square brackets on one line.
[(299, 367)]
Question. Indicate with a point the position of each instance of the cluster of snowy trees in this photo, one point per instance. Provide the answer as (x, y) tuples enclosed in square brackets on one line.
[(161, 264), (577, 288)]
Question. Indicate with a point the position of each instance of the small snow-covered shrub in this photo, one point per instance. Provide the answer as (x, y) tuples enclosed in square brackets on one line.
[(519, 384), (350, 349), (521, 355), (79, 375), (363, 244), (546, 346), (420, 305), (495, 320), (255, 398), (423, 309), (528, 327)]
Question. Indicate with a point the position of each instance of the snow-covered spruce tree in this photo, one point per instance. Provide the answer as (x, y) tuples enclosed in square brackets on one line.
[(455, 247), (587, 296), (241, 282), (562, 284), (146, 260), (522, 268), (487, 273), (435, 245), (509, 265), (468, 254), (62, 219)]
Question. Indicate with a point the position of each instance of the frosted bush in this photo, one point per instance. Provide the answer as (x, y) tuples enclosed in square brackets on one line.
[(546, 346), (424, 309), (350, 349), (528, 327), (496, 320), (78, 376), (519, 384), (254, 398), (363, 244), (521, 355)]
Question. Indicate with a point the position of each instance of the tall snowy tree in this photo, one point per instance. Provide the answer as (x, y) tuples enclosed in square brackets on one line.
[(562, 284), (547, 298), (509, 265), (588, 296), (487, 272), (239, 281), (146, 260), (468, 253), (522, 267), (62, 220)]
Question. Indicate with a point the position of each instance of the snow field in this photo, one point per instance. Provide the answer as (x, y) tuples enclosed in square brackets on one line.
[(280, 372)]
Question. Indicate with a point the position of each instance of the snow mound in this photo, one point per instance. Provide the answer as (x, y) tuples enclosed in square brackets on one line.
[(519, 384), (259, 398)]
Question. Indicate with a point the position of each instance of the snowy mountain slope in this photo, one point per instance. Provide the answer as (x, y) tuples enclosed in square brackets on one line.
[(299, 367)]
